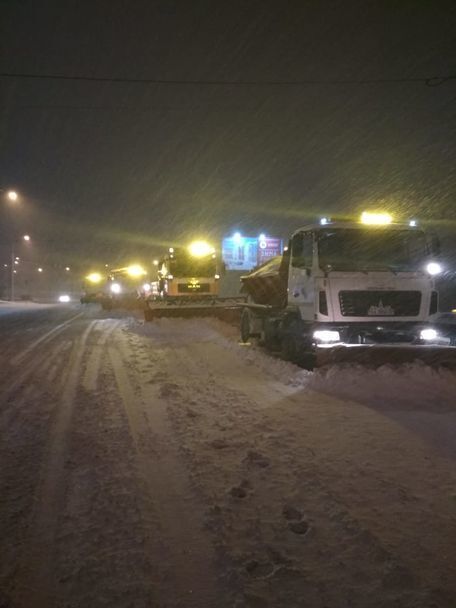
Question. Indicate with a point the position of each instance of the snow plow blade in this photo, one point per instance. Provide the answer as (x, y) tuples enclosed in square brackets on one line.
[(225, 309), (377, 355)]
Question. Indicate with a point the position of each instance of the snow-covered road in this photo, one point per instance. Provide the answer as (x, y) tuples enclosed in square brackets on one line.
[(165, 465)]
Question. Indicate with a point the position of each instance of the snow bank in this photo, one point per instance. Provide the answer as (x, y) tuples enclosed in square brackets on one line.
[(11, 307), (410, 385), (384, 376)]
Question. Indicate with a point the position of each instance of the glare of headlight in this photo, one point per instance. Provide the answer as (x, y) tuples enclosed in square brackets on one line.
[(64, 298), (146, 287), (200, 248), (326, 335), (413, 223), (324, 221), (428, 334), (12, 195), (135, 270), (434, 268), (115, 288), (94, 277), (376, 219), (216, 276)]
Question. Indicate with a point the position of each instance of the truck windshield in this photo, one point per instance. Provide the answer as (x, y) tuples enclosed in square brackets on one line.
[(188, 266), (371, 249)]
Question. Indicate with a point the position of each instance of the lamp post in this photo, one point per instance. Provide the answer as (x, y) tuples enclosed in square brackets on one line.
[(25, 238)]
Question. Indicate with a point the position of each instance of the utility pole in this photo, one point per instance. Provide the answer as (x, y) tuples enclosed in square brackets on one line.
[(13, 259)]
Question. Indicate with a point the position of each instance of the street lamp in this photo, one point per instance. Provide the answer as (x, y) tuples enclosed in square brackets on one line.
[(11, 195)]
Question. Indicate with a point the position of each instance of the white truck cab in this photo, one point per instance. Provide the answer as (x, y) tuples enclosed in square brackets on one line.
[(351, 282), (358, 276)]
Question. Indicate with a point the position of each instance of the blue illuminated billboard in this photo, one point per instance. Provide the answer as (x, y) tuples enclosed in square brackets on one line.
[(246, 252)]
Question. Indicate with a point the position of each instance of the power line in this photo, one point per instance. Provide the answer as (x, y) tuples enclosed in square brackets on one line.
[(431, 81)]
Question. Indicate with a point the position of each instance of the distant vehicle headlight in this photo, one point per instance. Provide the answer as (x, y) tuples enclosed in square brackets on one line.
[(64, 298), (326, 335), (429, 334), (434, 268), (116, 288), (146, 287)]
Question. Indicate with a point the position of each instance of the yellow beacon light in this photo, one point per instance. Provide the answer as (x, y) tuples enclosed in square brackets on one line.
[(94, 277), (135, 270), (376, 219), (200, 248)]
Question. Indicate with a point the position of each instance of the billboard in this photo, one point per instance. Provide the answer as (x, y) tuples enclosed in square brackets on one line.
[(246, 252), (240, 253), (268, 248)]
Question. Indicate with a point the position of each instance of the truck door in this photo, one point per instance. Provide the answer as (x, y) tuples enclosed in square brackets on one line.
[(301, 290)]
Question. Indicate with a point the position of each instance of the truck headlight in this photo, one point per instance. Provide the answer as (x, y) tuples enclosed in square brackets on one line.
[(434, 268), (429, 334), (64, 298), (116, 288), (326, 335)]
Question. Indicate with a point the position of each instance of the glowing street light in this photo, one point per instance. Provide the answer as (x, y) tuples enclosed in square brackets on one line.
[(26, 237), (12, 195), (40, 269)]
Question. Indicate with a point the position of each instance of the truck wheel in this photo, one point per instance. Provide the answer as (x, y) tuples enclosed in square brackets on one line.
[(298, 352), (307, 360), (289, 351), (245, 325)]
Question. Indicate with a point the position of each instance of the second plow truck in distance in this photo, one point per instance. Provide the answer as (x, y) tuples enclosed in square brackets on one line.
[(126, 288), (189, 285), (357, 282)]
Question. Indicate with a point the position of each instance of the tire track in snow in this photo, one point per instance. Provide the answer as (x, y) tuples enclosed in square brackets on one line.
[(188, 558), (19, 375), (42, 339), (16, 396), (51, 490), (90, 378)]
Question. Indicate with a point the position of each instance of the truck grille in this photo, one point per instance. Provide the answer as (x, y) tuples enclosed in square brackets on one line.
[(192, 288), (380, 303)]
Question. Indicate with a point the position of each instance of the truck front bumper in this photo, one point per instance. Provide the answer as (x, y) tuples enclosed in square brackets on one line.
[(377, 333)]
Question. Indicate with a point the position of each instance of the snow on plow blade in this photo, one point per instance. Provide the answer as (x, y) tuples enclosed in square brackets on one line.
[(225, 309)]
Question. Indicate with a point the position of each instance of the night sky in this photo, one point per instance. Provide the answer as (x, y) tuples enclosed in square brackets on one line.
[(109, 167)]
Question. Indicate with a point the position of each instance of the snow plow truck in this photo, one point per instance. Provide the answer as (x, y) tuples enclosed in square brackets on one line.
[(353, 282), (126, 288), (188, 285)]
